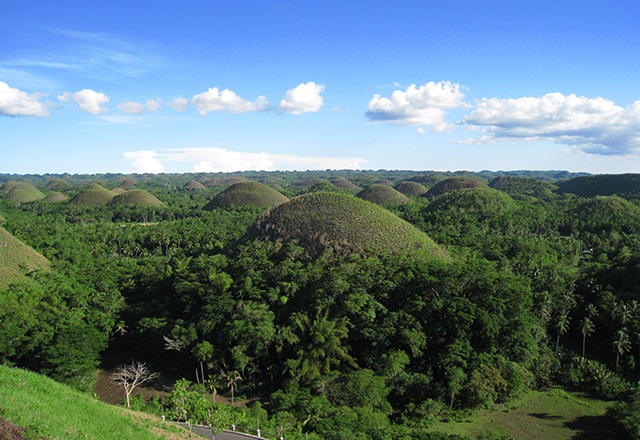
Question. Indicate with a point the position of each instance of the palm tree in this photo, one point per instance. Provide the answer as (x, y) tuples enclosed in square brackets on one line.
[(562, 326), (622, 344), (319, 345), (586, 328), (232, 377)]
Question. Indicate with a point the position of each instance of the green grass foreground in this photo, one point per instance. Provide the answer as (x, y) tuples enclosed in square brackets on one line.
[(51, 410), (553, 414)]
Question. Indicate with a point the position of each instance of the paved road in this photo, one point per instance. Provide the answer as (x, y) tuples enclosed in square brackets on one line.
[(205, 432)]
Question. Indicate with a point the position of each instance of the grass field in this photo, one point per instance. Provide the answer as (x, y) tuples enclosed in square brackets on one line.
[(51, 410), (17, 259), (554, 414)]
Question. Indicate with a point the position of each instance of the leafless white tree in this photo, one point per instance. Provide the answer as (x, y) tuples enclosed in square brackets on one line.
[(130, 376)]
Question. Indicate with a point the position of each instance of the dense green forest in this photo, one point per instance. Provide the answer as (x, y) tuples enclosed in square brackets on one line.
[(350, 313)]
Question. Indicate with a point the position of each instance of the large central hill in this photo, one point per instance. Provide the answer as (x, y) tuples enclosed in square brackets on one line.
[(321, 220)]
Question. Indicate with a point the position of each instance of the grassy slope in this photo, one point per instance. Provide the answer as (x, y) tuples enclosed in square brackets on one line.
[(382, 195), (52, 410), (552, 415), (135, 197), (16, 259), (247, 193)]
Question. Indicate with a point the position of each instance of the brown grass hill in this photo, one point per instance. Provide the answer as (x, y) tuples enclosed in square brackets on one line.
[(246, 193), (608, 213), (526, 186), (59, 185), (17, 259), (127, 183), (410, 189), (322, 220), (626, 186), (55, 197), (135, 197), (307, 183), (117, 191), (479, 203), (452, 184), (383, 182), (92, 195), (382, 195), (21, 192), (343, 183), (194, 184)]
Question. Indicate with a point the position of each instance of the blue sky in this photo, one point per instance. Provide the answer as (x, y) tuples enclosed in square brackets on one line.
[(148, 86)]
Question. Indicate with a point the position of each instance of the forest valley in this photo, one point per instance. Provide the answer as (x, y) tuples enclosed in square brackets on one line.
[(531, 286)]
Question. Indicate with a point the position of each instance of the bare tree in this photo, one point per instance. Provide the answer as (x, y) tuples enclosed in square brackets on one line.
[(130, 376)]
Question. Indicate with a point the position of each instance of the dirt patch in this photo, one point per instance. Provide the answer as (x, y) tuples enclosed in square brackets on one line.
[(9, 431)]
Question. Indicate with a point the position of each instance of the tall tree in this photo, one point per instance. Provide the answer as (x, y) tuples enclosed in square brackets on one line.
[(586, 328), (562, 326), (621, 344)]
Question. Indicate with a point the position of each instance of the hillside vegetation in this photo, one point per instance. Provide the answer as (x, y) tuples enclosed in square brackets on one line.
[(21, 192), (453, 184), (382, 195), (47, 409), (135, 197), (92, 195), (623, 185)]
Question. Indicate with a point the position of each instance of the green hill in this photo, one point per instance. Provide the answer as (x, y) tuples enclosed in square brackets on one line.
[(382, 195), (343, 183), (55, 197), (608, 213), (452, 184), (480, 202), (409, 188), (321, 220), (17, 259), (57, 184), (624, 185), (383, 182), (427, 180), (94, 194), (194, 184), (308, 183), (528, 186), (50, 410), (246, 193), (135, 197), (21, 192)]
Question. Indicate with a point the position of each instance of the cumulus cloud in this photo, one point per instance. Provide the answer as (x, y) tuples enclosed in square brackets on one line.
[(145, 161), (14, 102), (215, 160), (136, 108), (590, 125), (87, 100), (425, 105), (305, 98), (213, 100), (179, 104), (478, 141)]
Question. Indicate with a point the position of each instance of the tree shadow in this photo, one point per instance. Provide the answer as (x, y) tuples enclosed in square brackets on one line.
[(544, 416), (595, 428)]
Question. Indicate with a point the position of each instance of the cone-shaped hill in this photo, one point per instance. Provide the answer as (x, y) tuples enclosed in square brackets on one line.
[(317, 221), (58, 184), (93, 194), (529, 186), (608, 213), (17, 259), (481, 202), (624, 185), (382, 195), (383, 182), (343, 183), (55, 197), (453, 184), (21, 192), (194, 184), (135, 197), (428, 180), (127, 183), (308, 183), (409, 188), (247, 193)]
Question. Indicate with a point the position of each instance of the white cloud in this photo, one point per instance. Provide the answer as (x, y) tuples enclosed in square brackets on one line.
[(87, 100), (591, 125), (136, 108), (221, 160), (226, 101), (305, 98), (179, 104), (14, 102), (425, 105), (145, 161), (483, 140)]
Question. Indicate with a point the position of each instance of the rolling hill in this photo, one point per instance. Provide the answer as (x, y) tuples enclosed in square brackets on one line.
[(21, 192), (317, 221), (55, 197), (624, 185), (409, 188), (94, 194), (246, 193), (451, 184), (382, 195), (135, 197)]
